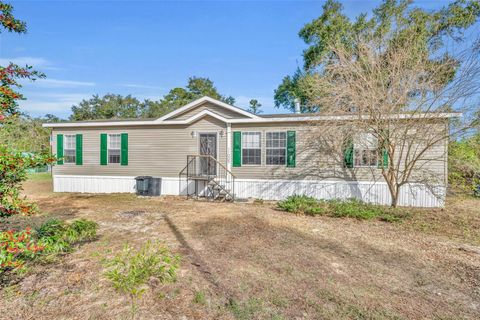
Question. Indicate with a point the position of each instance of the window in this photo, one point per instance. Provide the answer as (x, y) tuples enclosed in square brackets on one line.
[(251, 148), (114, 143), (276, 148), (365, 150), (69, 145)]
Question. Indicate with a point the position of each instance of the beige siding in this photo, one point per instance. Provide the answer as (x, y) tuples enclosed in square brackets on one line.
[(162, 150), (153, 150), (229, 114), (311, 164)]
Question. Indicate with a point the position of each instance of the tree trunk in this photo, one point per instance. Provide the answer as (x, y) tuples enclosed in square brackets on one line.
[(394, 196), (393, 187)]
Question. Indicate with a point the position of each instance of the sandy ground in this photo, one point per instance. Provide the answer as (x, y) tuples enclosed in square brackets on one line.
[(251, 261)]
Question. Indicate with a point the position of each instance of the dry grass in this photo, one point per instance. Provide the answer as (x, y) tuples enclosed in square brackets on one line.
[(250, 261)]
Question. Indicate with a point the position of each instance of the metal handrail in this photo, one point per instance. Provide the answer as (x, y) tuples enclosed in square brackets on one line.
[(211, 157), (222, 179)]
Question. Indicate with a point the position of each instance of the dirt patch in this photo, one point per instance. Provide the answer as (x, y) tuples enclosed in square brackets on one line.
[(250, 261)]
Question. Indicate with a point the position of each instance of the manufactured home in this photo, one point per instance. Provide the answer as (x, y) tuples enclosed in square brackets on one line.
[(213, 149)]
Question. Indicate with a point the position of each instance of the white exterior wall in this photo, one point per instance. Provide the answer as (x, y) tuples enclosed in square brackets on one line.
[(416, 195)]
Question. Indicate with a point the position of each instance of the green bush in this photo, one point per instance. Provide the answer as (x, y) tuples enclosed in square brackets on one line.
[(464, 165), (351, 208), (298, 204), (52, 237), (130, 270), (82, 230), (354, 209), (57, 236)]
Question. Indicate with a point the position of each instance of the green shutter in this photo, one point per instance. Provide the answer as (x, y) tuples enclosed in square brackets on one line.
[(291, 149), (384, 153), (103, 149), (60, 148), (124, 150), (385, 158), (237, 148), (79, 149), (348, 154)]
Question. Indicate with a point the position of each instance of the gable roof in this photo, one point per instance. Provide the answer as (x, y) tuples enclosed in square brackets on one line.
[(165, 119), (201, 101), (247, 117)]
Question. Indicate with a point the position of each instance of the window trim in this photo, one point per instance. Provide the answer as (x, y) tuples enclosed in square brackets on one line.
[(65, 162), (108, 149), (261, 149), (373, 149), (276, 165)]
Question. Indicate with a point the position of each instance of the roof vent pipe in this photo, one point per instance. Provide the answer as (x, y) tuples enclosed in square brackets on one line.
[(297, 105)]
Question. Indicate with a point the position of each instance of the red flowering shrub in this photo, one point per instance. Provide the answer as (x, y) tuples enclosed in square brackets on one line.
[(51, 238), (15, 248)]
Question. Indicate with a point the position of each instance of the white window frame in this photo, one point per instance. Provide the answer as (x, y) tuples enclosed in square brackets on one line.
[(74, 137), (261, 148), (266, 148), (119, 148), (361, 149)]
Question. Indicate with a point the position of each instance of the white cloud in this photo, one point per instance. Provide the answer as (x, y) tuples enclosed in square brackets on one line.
[(22, 61), (37, 63), (56, 103), (56, 83)]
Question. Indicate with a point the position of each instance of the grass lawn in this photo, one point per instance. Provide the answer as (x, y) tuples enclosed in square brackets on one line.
[(42, 176), (251, 261)]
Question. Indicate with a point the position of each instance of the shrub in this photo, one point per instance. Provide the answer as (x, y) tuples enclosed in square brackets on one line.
[(298, 203), (15, 248), (200, 297), (352, 208), (56, 236), (130, 270), (13, 171), (464, 165), (82, 230), (52, 237)]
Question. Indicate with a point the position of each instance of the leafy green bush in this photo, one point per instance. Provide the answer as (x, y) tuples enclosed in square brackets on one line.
[(52, 237), (351, 208), (82, 230), (298, 204), (355, 209), (57, 236), (130, 270), (464, 165)]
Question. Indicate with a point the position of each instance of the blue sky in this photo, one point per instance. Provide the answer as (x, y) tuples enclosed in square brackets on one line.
[(145, 48)]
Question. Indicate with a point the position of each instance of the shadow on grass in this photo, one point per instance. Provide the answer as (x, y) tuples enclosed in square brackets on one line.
[(197, 260), (255, 259)]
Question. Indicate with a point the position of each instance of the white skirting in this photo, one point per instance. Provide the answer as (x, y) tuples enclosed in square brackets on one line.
[(417, 195)]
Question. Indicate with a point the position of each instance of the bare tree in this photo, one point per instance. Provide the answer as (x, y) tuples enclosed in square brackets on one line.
[(402, 99)]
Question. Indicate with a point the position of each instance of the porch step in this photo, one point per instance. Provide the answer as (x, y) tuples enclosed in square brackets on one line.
[(219, 186)]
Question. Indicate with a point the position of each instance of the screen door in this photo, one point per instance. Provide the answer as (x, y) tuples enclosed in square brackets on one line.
[(208, 146)]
